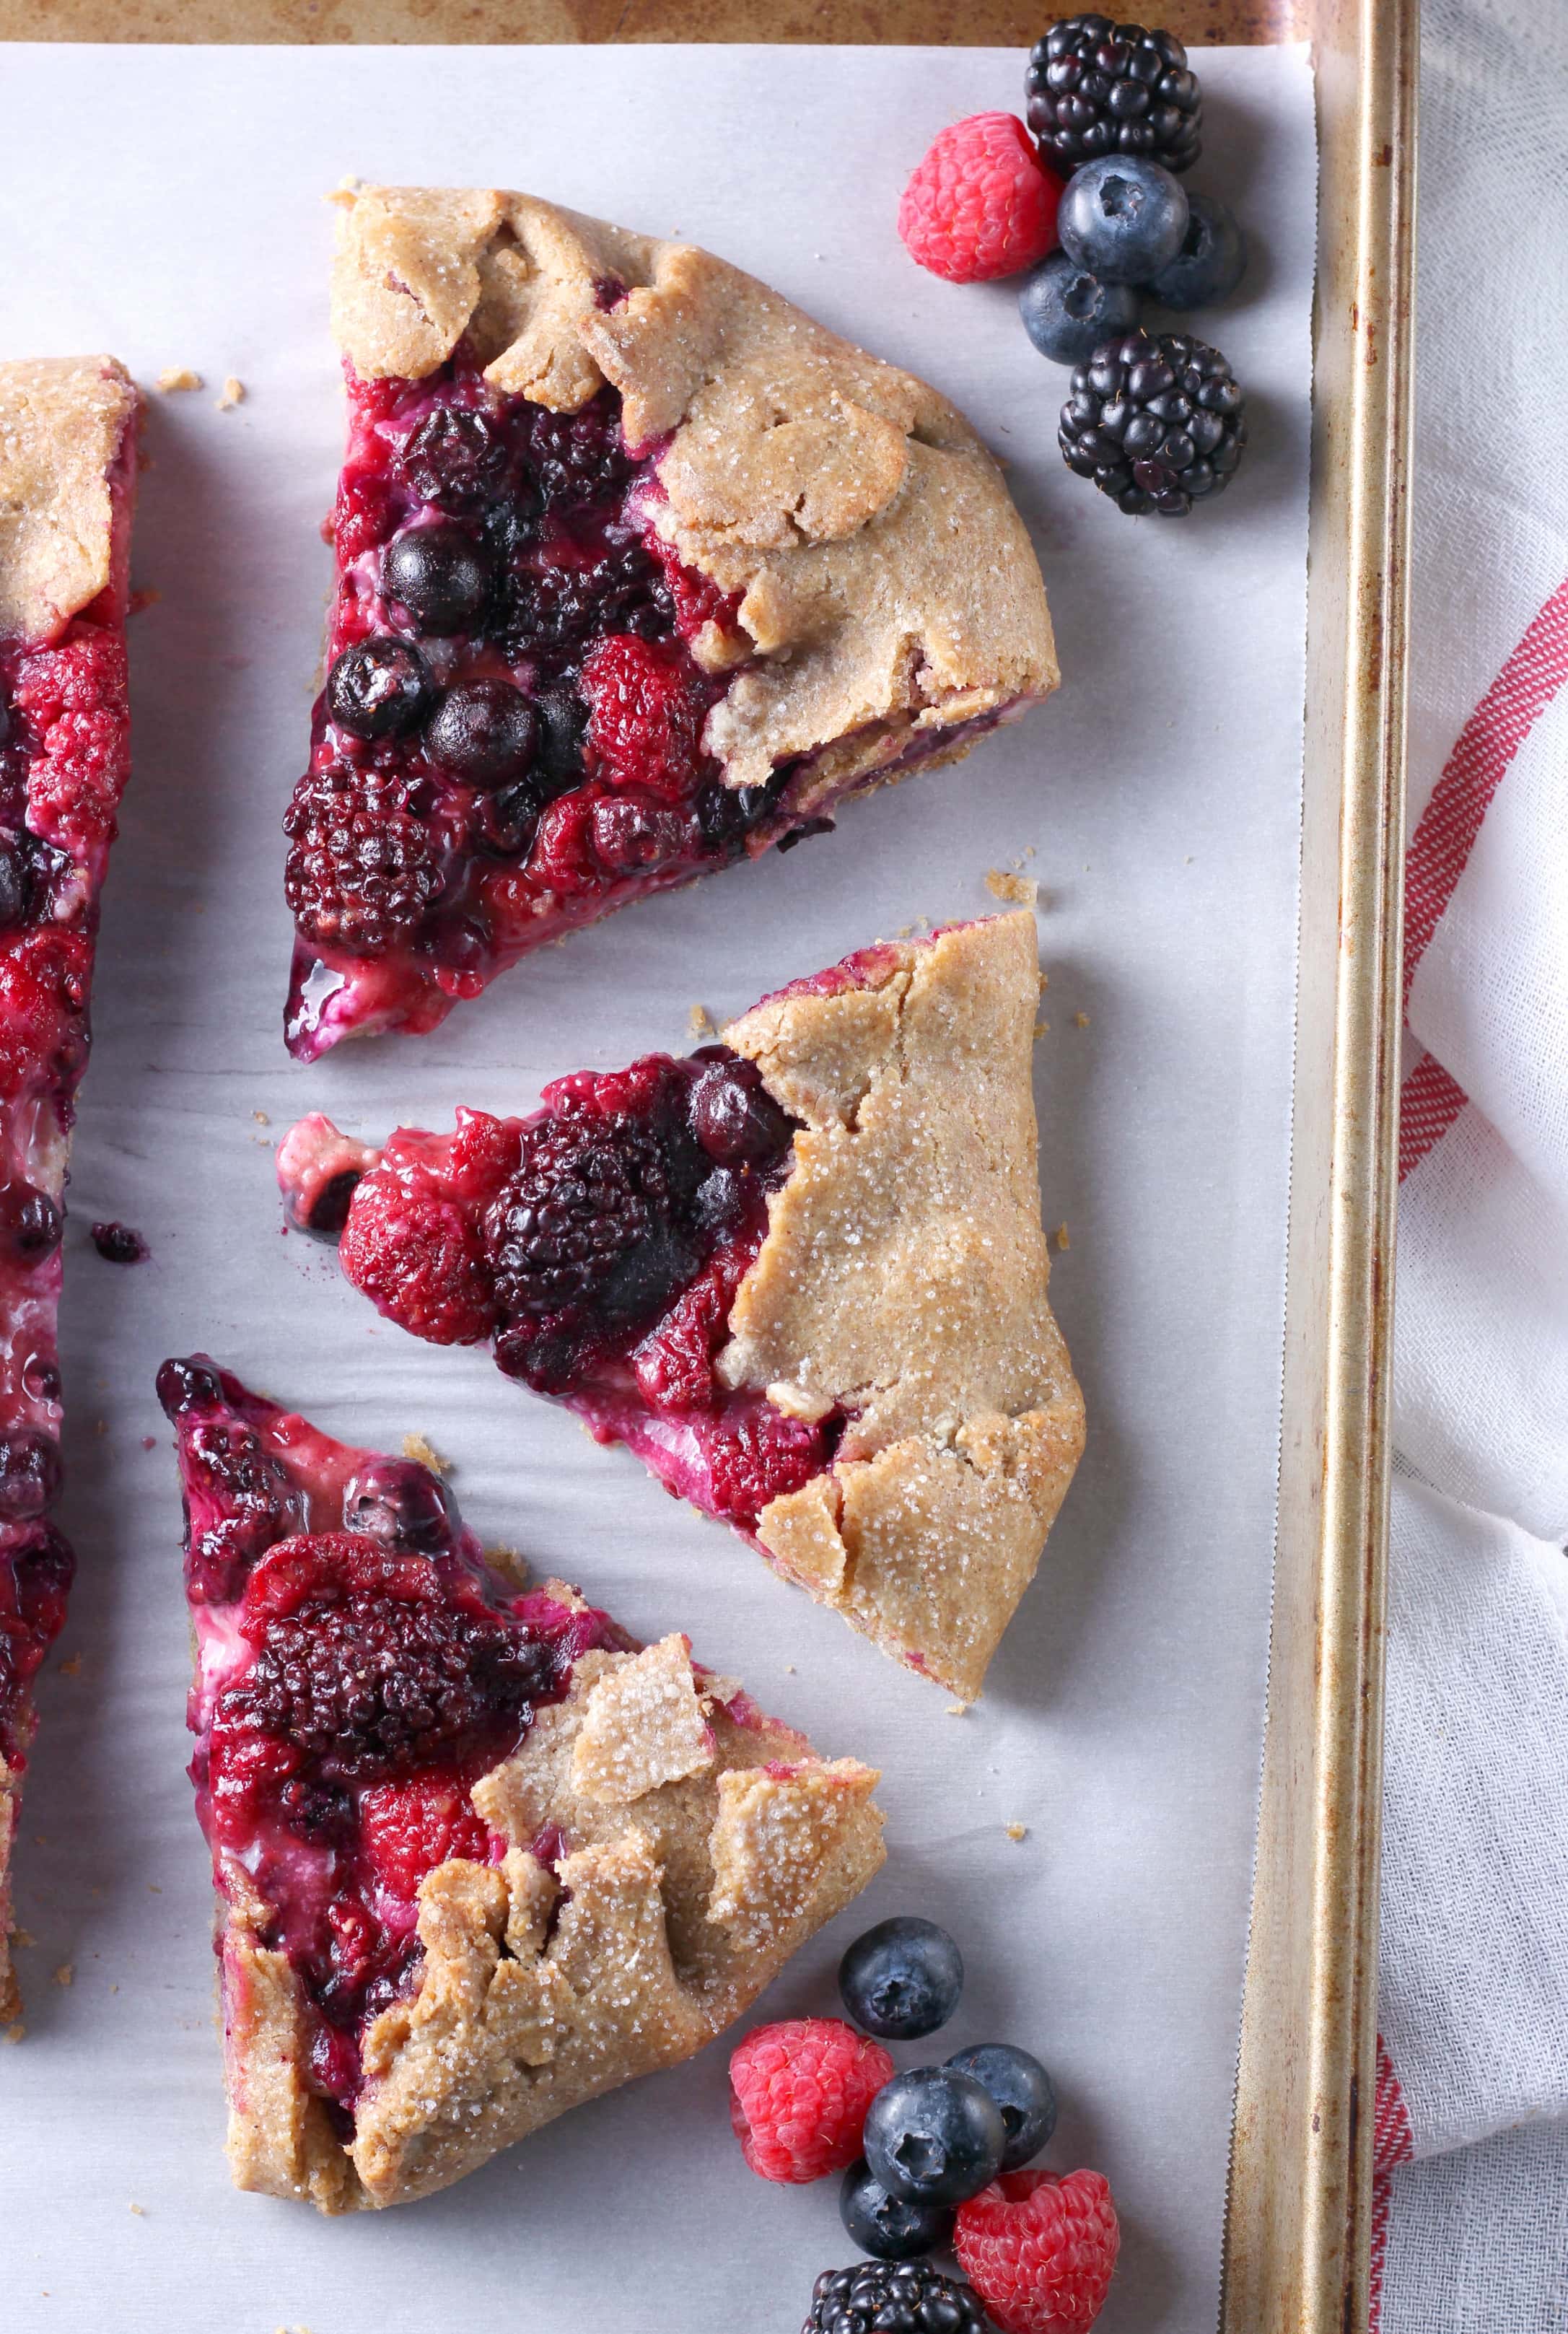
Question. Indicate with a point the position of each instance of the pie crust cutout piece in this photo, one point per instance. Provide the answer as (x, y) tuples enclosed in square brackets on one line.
[(800, 1273), (639, 571), (479, 1856), (67, 481)]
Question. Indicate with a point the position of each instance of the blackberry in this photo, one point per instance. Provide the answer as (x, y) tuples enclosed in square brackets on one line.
[(1095, 87), (593, 1217), (893, 2298), (377, 1685), (581, 457), (455, 458), (560, 606), (227, 1470), (363, 871), (1155, 423)]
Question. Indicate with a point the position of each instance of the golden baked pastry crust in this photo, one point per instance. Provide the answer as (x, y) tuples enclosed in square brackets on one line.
[(904, 1281), (702, 1844), (62, 421), (887, 583)]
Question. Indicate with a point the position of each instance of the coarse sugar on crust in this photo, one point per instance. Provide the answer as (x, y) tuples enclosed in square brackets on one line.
[(676, 1901), (903, 1280), (885, 581)]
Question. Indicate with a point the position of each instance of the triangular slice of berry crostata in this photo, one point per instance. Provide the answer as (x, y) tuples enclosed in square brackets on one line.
[(639, 571), (479, 1856), (67, 476), (800, 1273)]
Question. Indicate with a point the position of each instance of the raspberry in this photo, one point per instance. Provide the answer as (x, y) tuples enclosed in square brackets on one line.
[(799, 2093), (418, 1257), (363, 871), (409, 1828), (982, 204), (1038, 2248), (762, 1454), (673, 1365), (647, 705)]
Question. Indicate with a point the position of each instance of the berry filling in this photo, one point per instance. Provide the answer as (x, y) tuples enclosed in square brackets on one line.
[(359, 1668), (599, 1245), (510, 742), (64, 757), (510, 737)]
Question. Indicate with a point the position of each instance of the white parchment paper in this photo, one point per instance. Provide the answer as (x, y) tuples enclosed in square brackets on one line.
[(167, 203)]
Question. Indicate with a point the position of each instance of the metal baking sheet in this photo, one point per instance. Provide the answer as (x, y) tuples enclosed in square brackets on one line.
[(1157, 802)]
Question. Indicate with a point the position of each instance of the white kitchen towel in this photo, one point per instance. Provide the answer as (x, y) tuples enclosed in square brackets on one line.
[(1470, 2224)]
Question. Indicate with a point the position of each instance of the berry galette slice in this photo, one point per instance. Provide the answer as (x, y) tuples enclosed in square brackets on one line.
[(67, 475), (479, 1856), (801, 1274), (639, 571)]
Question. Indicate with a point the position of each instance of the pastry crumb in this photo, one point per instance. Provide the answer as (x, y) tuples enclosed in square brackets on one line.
[(72, 1668), (958, 1709), (22, 1937), (65, 1974), (1060, 1236), (788, 1669), (139, 2209), (700, 1022), (415, 1446), (175, 377), (1081, 1020), (1017, 1831), (1042, 1028), (261, 1118), (13, 2033), (1022, 890), (510, 1562), (233, 394)]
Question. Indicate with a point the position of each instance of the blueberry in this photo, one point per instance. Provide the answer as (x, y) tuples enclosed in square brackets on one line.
[(1210, 263), (891, 2227), (934, 2136), (30, 1222), (484, 732), (733, 1116), (439, 573), (1067, 312), (401, 1504), (328, 1208), (1123, 219), (902, 1979), (1021, 2088), (379, 688)]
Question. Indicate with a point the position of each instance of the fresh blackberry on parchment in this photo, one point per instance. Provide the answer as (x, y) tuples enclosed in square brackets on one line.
[(894, 2298), (1095, 87), (1157, 423)]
